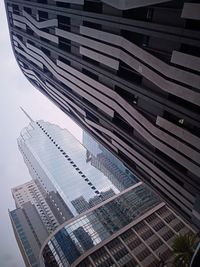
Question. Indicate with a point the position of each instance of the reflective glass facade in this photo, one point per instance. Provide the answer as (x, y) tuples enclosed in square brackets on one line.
[(147, 242), (26, 242), (95, 199), (108, 164), (96, 225), (59, 162)]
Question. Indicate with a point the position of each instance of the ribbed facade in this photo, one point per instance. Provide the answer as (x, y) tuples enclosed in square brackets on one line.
[(34, 219), (145, 241), (128, 73), (31, 193)]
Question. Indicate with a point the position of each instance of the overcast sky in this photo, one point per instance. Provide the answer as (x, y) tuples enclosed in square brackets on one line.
[(16, 91)]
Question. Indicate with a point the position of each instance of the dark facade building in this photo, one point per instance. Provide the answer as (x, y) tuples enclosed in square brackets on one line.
[(128, 73)]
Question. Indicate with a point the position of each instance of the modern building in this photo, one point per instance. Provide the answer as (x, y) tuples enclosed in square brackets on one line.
[(128, 73), (107, 163), (30, 232), (32, 221), (57, 162), (31, 193), (75, 207), (131, 235), (34, 218)]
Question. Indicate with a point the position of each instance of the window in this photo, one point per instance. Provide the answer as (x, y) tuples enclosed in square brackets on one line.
[(42, 1), (60, 4), (64, 60), (64, 23), (28, 10), (120, 122), (92, 25), (129, 74), (16, 9), (95, 7), (64, 44), (46, 51), (42, 15)]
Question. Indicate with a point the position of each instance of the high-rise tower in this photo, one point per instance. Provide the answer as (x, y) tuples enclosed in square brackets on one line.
[(128, 73), (120, 232), (72, 212), (57, 161), (32, 220)]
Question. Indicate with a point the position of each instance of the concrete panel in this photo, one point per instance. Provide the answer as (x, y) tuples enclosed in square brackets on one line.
[(112, 63), (42, 24), (191, 11), (164, 68), (179, 132), (40, 33), (19, 24), (186, 60), (157, 79), (128, 4)]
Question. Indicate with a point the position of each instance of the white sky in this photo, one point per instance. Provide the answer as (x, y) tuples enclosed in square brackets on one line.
[(16, 91)]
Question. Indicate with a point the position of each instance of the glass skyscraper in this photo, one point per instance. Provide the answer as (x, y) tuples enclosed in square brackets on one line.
[(93, 203), (58, 162)]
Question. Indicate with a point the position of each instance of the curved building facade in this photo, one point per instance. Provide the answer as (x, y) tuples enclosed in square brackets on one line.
[(128, 73), (140, 237)]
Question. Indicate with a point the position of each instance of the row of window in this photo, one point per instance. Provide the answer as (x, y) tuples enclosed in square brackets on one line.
[(70, 160)]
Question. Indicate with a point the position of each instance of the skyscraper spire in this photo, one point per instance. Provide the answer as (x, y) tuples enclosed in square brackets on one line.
[(26, 114)]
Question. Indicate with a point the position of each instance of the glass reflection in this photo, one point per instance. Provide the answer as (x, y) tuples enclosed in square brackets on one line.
[(65, 167), (97, 225)]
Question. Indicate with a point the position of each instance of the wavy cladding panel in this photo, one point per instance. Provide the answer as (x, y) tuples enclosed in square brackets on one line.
[(186, 60), (80, 2), (157, 175), (41, 24), (128, 4), (108, 61), (191, 11), (19, 24), (34, 54), (157, 64), (119, 4), (113, 102), (157, 79), (165, 142), (39, 32), (135, 57), (179, 132)]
